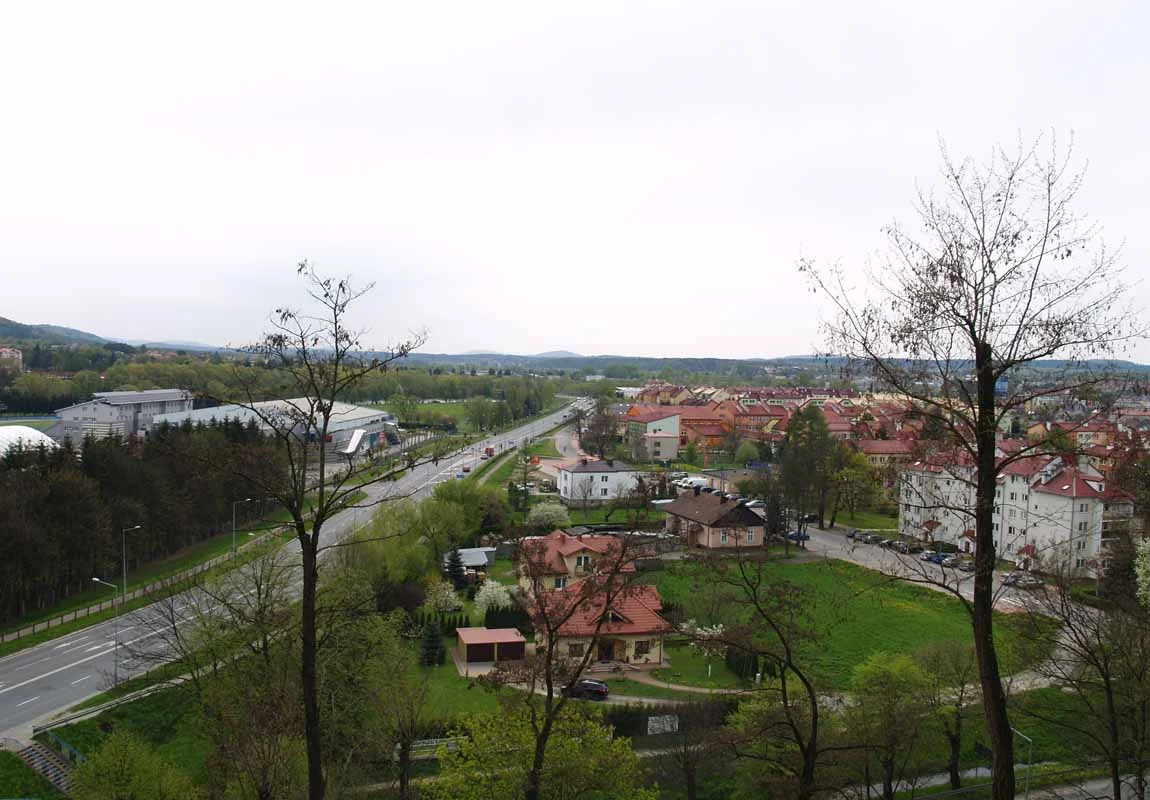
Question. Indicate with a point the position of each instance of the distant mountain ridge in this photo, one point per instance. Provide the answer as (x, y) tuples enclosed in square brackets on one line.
[(10, 329)]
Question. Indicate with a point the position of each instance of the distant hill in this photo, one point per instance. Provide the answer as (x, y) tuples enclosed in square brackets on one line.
[(557, 354), (10, 329)]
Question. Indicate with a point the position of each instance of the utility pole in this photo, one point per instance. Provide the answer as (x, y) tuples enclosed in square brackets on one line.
[(234, 504)]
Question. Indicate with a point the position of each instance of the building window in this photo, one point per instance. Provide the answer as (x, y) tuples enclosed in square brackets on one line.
[(582, 562), (560, 583), (1078, 563), (1080, 545), (723, 537), (603, 478), (750, 537), (642, 648), (575, 650), (1010, 547), (1013, 496), (1081, 526), (602, 492), (1010, 530), (1082, 508)]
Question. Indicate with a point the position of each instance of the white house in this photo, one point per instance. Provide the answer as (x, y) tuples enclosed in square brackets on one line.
[(121, 413), (1048, 510), (653, 433), (592, 482)]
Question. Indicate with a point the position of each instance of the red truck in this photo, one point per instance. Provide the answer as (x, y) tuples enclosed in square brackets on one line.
[(490, 451)]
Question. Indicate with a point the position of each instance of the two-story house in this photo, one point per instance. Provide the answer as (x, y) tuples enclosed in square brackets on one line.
[(653, 433), (711, 521), (589, 482)]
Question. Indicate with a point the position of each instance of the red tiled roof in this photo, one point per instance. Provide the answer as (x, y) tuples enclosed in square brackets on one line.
[(651, 413), (1071, 482), (635, 610), (707, 429), (883, 447), (489, 635), (546, 553)]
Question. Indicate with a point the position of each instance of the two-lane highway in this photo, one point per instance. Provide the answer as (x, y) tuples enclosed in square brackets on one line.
[(57, 674)]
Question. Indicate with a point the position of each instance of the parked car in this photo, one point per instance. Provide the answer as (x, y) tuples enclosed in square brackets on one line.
[(587, 689), (966, 566), (755, 504), (678, 475), (467, 468), (873, 538), (936, 558), (798, 536), (954, 562), (901, 547), (853, 533), (1021, 580), (810, 518), (888, 543), (927, 555)]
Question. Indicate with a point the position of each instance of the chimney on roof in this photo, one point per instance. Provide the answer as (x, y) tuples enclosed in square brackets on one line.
[(697, 489)]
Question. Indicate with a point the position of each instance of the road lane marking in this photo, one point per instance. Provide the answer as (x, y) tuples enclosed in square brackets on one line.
[(70, 642), (98, 646), (85, 660), (26, 702), (81, 680)]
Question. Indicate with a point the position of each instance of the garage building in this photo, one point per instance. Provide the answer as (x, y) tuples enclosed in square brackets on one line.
[(486, 645)]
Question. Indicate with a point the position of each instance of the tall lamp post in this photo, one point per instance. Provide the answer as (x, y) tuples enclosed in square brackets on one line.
[(124, 550), (116, 641), (234, 504)]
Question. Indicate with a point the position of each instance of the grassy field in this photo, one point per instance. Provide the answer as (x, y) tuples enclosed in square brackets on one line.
[(867, 520), (545, 447), (861, 611), (169, 720), (38, 424), (17, 779), (689, 667)]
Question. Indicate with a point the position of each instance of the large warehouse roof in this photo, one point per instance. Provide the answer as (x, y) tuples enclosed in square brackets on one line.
[(344, 415), (22, 436)]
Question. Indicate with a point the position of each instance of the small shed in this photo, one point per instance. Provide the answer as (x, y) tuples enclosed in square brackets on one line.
[(482, 645)]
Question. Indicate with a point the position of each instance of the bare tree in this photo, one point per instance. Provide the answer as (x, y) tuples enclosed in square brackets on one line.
[(950, 668), (323, 359), (1003, 274), (1103, 658)]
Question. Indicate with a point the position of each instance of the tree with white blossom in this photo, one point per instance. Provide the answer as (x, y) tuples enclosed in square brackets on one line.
[(492, 594), (707, 639)]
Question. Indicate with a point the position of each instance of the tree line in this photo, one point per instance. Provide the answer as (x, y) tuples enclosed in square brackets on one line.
[(62, 510)]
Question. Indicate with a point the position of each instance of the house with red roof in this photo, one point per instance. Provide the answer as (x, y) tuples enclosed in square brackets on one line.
[(627, 627), (558, 560), (712, 522), (652, 433)]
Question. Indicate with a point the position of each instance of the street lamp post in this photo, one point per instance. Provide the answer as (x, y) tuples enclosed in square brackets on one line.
[(124, 550), (234, 504), (1029, 757), (116, 634)]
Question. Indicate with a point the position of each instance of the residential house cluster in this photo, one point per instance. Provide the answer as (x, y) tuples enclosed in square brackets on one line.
[(11, 359)]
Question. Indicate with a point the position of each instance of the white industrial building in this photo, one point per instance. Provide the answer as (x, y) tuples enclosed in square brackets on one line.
[(121, 413), (594, 482), (23, 437), (1048, 510), (351, 429)]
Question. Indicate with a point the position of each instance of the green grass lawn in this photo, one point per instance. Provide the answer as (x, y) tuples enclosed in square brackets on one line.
[(599, 514), (545, 447), (169, 720), (38, 424), (623, 686), (689, 667), (452, 694), (503, 571), (867, 520), (17, 779), (861, 611)]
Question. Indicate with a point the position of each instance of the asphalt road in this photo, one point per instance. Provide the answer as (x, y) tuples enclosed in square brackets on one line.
[(834, 544), (53, 676)]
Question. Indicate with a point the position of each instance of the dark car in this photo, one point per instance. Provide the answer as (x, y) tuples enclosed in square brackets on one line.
[(798, 536), (872, 538), (1021, 580), (935, 558), (587, 689), (954, 562), (966, 566), (810, 518), (853, 533), (912, 548)]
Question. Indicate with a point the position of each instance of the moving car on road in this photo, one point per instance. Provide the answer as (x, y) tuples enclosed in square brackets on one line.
[(1021, 580), (798, 536)]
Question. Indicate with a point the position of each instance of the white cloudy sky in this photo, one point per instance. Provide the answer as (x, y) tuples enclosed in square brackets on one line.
[(618, 177)]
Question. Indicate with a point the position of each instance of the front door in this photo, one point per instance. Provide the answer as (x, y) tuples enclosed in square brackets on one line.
[(607, 650)]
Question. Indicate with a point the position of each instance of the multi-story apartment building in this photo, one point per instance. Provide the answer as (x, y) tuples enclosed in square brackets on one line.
[(1048, 510)]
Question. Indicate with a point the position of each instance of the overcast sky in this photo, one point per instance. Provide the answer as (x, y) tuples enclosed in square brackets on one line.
[(623, 177)]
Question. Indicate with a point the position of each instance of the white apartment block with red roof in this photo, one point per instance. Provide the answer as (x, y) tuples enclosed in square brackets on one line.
[(1048, 510)]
